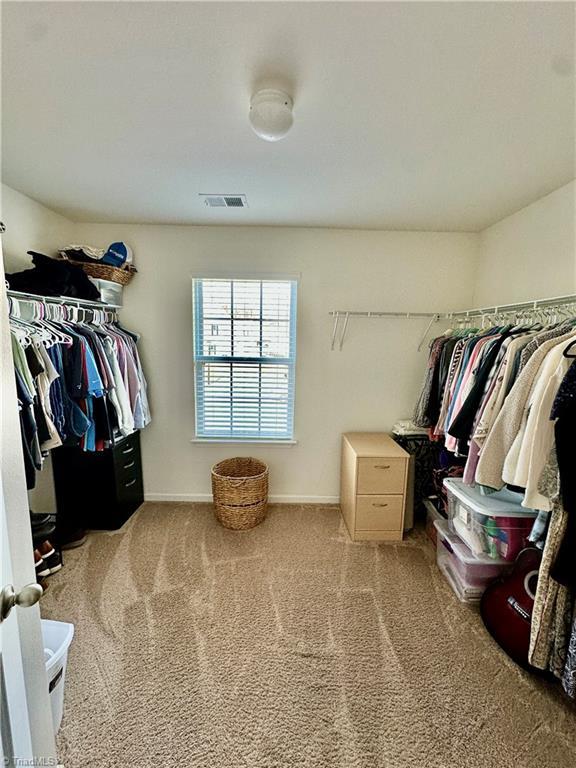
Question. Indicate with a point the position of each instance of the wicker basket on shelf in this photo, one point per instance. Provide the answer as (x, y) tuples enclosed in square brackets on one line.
[(240, 491), (106, 272)]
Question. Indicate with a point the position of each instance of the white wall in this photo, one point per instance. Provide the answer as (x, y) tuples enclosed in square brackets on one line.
[(368, 385), (30, 226), (531, 254)]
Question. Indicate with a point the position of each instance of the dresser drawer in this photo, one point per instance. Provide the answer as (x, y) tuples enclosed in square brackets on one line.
[(381, 476), (128, 467), (379, 513), (129, 485), (126, 451)]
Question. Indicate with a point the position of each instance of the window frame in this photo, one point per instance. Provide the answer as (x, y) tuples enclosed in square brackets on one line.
[(290, 361)]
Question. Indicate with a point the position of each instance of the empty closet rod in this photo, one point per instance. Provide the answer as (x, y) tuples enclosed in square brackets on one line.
[(436, 316)]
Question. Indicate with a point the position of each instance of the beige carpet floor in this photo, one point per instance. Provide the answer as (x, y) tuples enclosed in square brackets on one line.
[(286, 646)]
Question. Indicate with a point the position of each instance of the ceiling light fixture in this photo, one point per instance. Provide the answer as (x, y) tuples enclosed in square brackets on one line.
[(271, 114)]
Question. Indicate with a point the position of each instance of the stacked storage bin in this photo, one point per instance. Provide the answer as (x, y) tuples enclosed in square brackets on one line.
[(481, 538)]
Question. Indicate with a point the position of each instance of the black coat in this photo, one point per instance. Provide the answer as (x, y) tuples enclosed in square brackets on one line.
[(53, 277)]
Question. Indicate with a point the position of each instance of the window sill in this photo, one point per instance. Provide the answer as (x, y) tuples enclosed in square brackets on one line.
[(239, 440)]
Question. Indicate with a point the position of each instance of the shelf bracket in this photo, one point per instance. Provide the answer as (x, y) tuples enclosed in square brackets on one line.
[(335, 330), (433, 319), (344, 328)]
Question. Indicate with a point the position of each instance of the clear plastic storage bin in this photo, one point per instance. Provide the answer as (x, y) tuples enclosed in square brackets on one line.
[(466, 593), (432, 515), (472, 573), (495, 525), (110, 292)]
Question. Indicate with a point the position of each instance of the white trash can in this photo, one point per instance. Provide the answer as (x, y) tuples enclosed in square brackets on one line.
[(57, 636)]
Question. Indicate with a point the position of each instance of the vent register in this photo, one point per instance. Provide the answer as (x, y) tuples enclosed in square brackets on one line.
[(225, 201)]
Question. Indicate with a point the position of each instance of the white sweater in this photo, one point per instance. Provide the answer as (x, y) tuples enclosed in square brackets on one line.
[(508, 422), (528, 454)]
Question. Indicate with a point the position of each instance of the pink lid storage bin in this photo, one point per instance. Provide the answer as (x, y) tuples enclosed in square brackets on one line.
[(495, 525)]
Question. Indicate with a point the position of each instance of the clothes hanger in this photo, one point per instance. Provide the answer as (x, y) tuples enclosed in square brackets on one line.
[(21, 329), (568, 349), (57, 336), (570, 320), (41, 330), (54, 323), (46, 332)]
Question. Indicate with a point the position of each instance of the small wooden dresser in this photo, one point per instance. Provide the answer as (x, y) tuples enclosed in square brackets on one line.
[(373, 486)]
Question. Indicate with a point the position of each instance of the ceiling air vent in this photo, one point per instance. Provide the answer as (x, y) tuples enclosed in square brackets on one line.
[(225, 201)]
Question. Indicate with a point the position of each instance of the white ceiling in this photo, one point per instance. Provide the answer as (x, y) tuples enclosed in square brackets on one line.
[(425, 116)]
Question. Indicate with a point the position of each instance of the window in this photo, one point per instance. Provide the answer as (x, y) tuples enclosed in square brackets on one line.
[(244, 358)]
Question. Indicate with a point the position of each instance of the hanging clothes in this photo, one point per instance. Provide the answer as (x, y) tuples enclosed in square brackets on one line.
[(506, 402), (509, 421), (564, 411), (78, 383), (28, 431)]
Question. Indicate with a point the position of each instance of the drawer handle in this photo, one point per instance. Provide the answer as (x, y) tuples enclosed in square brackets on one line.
[(128, 450), (379, 505), (382, 466), (127, 485), (130, 464)]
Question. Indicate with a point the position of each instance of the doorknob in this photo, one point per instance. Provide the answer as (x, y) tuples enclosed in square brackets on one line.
[(28, 595)]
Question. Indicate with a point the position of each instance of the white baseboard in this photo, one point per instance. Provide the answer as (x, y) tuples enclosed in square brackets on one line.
[(207, 497)]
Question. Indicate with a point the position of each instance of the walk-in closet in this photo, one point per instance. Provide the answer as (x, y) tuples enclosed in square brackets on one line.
[(288, 384)]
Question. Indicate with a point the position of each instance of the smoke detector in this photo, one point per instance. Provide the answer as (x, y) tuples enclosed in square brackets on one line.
[(271, 114), (224, 201)]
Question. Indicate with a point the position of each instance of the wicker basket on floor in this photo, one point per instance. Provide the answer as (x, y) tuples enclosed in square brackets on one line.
[(240, 491)]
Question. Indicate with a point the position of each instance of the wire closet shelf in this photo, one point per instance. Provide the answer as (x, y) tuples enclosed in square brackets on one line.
[(77, 306), (542, 308)]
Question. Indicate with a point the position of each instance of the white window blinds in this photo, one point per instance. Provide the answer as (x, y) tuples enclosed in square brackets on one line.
[(244, 358)]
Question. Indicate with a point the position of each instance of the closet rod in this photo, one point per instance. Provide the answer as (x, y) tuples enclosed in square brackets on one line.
[(435, 316), (61, 300), (534, 304)]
